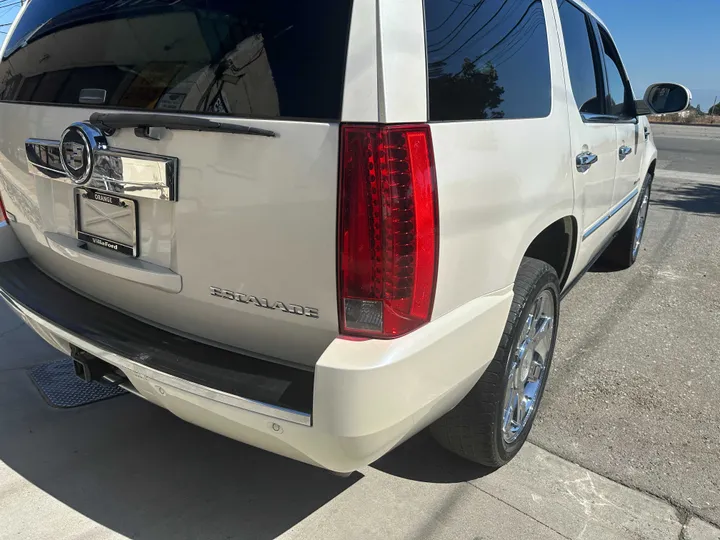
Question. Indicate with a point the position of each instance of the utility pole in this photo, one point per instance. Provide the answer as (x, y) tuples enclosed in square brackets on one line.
[(713, 107)]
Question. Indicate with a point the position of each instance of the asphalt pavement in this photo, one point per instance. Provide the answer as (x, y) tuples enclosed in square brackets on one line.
[(627, 444), (633, 391)]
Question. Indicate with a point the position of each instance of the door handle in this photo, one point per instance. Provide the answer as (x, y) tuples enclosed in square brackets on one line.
[(584, 160), (624, 152)]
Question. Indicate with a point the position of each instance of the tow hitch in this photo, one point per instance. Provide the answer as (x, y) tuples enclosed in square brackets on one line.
[(90, 368)]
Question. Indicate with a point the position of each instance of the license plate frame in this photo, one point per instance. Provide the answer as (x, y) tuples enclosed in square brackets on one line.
[(112, 211)]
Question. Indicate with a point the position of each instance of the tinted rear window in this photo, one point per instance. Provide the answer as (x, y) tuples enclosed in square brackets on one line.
[(260, 58), (487, 59)]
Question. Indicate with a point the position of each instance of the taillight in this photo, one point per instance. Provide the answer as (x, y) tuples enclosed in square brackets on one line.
[(388, 230)]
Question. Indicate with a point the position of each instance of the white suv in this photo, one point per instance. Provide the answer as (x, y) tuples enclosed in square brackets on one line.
[(318, 227)]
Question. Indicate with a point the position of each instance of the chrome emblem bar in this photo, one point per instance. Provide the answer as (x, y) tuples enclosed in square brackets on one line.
[(82, 157)]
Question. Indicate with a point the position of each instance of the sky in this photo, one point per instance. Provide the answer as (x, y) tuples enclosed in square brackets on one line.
[(659, 41), (667, 41)]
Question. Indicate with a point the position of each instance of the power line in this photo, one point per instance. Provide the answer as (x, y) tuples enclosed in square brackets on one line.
[(458, 28), (457, 6), (512, 30)]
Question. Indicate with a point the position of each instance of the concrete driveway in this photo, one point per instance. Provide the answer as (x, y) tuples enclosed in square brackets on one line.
[(631, 397)]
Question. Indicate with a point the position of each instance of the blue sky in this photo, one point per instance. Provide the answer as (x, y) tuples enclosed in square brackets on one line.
[(667, 40), (659, 40)]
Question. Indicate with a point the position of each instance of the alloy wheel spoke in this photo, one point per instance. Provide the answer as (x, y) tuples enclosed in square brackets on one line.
[(525, 378)]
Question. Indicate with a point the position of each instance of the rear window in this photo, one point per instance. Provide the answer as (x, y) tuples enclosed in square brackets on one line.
[(487, 59), (259, 58)]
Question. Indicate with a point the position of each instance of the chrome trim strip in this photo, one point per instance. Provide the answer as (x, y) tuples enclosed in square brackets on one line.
[(144, 372), (595, 226), (117, 171)]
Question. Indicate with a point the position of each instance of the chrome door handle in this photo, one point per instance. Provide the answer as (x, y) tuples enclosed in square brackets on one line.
[(585, 160), (624, 152)]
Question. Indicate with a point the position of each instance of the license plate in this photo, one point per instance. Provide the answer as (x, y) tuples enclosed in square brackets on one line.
[(107, 221)]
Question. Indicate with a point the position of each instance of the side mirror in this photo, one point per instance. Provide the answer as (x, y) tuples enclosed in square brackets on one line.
[(664, 98)]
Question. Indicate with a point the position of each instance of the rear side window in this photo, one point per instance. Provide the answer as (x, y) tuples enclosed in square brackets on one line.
[(619, 95), (269, 58), (487, 59), (579, 40)]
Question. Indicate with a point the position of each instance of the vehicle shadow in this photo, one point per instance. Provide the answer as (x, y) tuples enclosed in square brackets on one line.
[(697, 198), (424, 460), (141, 472)]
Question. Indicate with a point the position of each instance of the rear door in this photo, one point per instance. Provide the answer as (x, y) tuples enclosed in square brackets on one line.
[(620, 105), (222, 227), (592, 132)]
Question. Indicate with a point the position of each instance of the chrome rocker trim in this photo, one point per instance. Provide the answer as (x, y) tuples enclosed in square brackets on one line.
[(595, 226)]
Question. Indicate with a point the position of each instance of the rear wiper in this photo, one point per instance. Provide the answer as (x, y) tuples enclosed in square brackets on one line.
[(150, 125)]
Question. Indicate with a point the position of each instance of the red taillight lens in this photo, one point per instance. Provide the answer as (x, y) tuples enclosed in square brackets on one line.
[(388, 230)]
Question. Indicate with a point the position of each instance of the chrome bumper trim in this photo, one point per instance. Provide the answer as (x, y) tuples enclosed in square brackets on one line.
[(145, 372)]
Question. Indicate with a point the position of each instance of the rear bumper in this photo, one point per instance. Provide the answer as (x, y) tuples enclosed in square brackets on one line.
[(366, 396)]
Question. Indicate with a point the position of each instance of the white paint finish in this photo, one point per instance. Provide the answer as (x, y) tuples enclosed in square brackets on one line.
[(593, 188), (132, 270), (256, 215), (407, 374), (627, 173), (10, 247), (14, 24), (500, 183), (360, 95), (403, 66), (412, 380)]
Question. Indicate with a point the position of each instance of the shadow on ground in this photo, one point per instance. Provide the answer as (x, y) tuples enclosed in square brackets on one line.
[(139, 471), (136, 469), (697, 198), (422, 459)]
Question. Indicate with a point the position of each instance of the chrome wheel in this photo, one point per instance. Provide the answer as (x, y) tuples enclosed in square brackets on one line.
[(529, 364), (640, 224)]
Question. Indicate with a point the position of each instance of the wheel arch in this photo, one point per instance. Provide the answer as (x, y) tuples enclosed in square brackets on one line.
[(556, 245)]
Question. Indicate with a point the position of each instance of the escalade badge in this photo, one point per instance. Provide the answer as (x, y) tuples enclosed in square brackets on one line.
[(243, 298)]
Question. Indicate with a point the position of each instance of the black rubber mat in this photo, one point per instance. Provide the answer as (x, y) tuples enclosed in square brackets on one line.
[(61, 388)]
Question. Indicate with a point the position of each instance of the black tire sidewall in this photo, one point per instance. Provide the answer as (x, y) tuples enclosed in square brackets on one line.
[(546, 281)]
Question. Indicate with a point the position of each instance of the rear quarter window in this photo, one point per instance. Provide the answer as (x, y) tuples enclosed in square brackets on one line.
[(269, 58), (487, 59)]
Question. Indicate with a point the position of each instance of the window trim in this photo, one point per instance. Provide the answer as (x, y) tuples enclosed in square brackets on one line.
[(615, 56), (596, 46)]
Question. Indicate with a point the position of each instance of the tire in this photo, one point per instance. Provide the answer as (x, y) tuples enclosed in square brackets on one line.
[(477, 429), (625, 248)]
